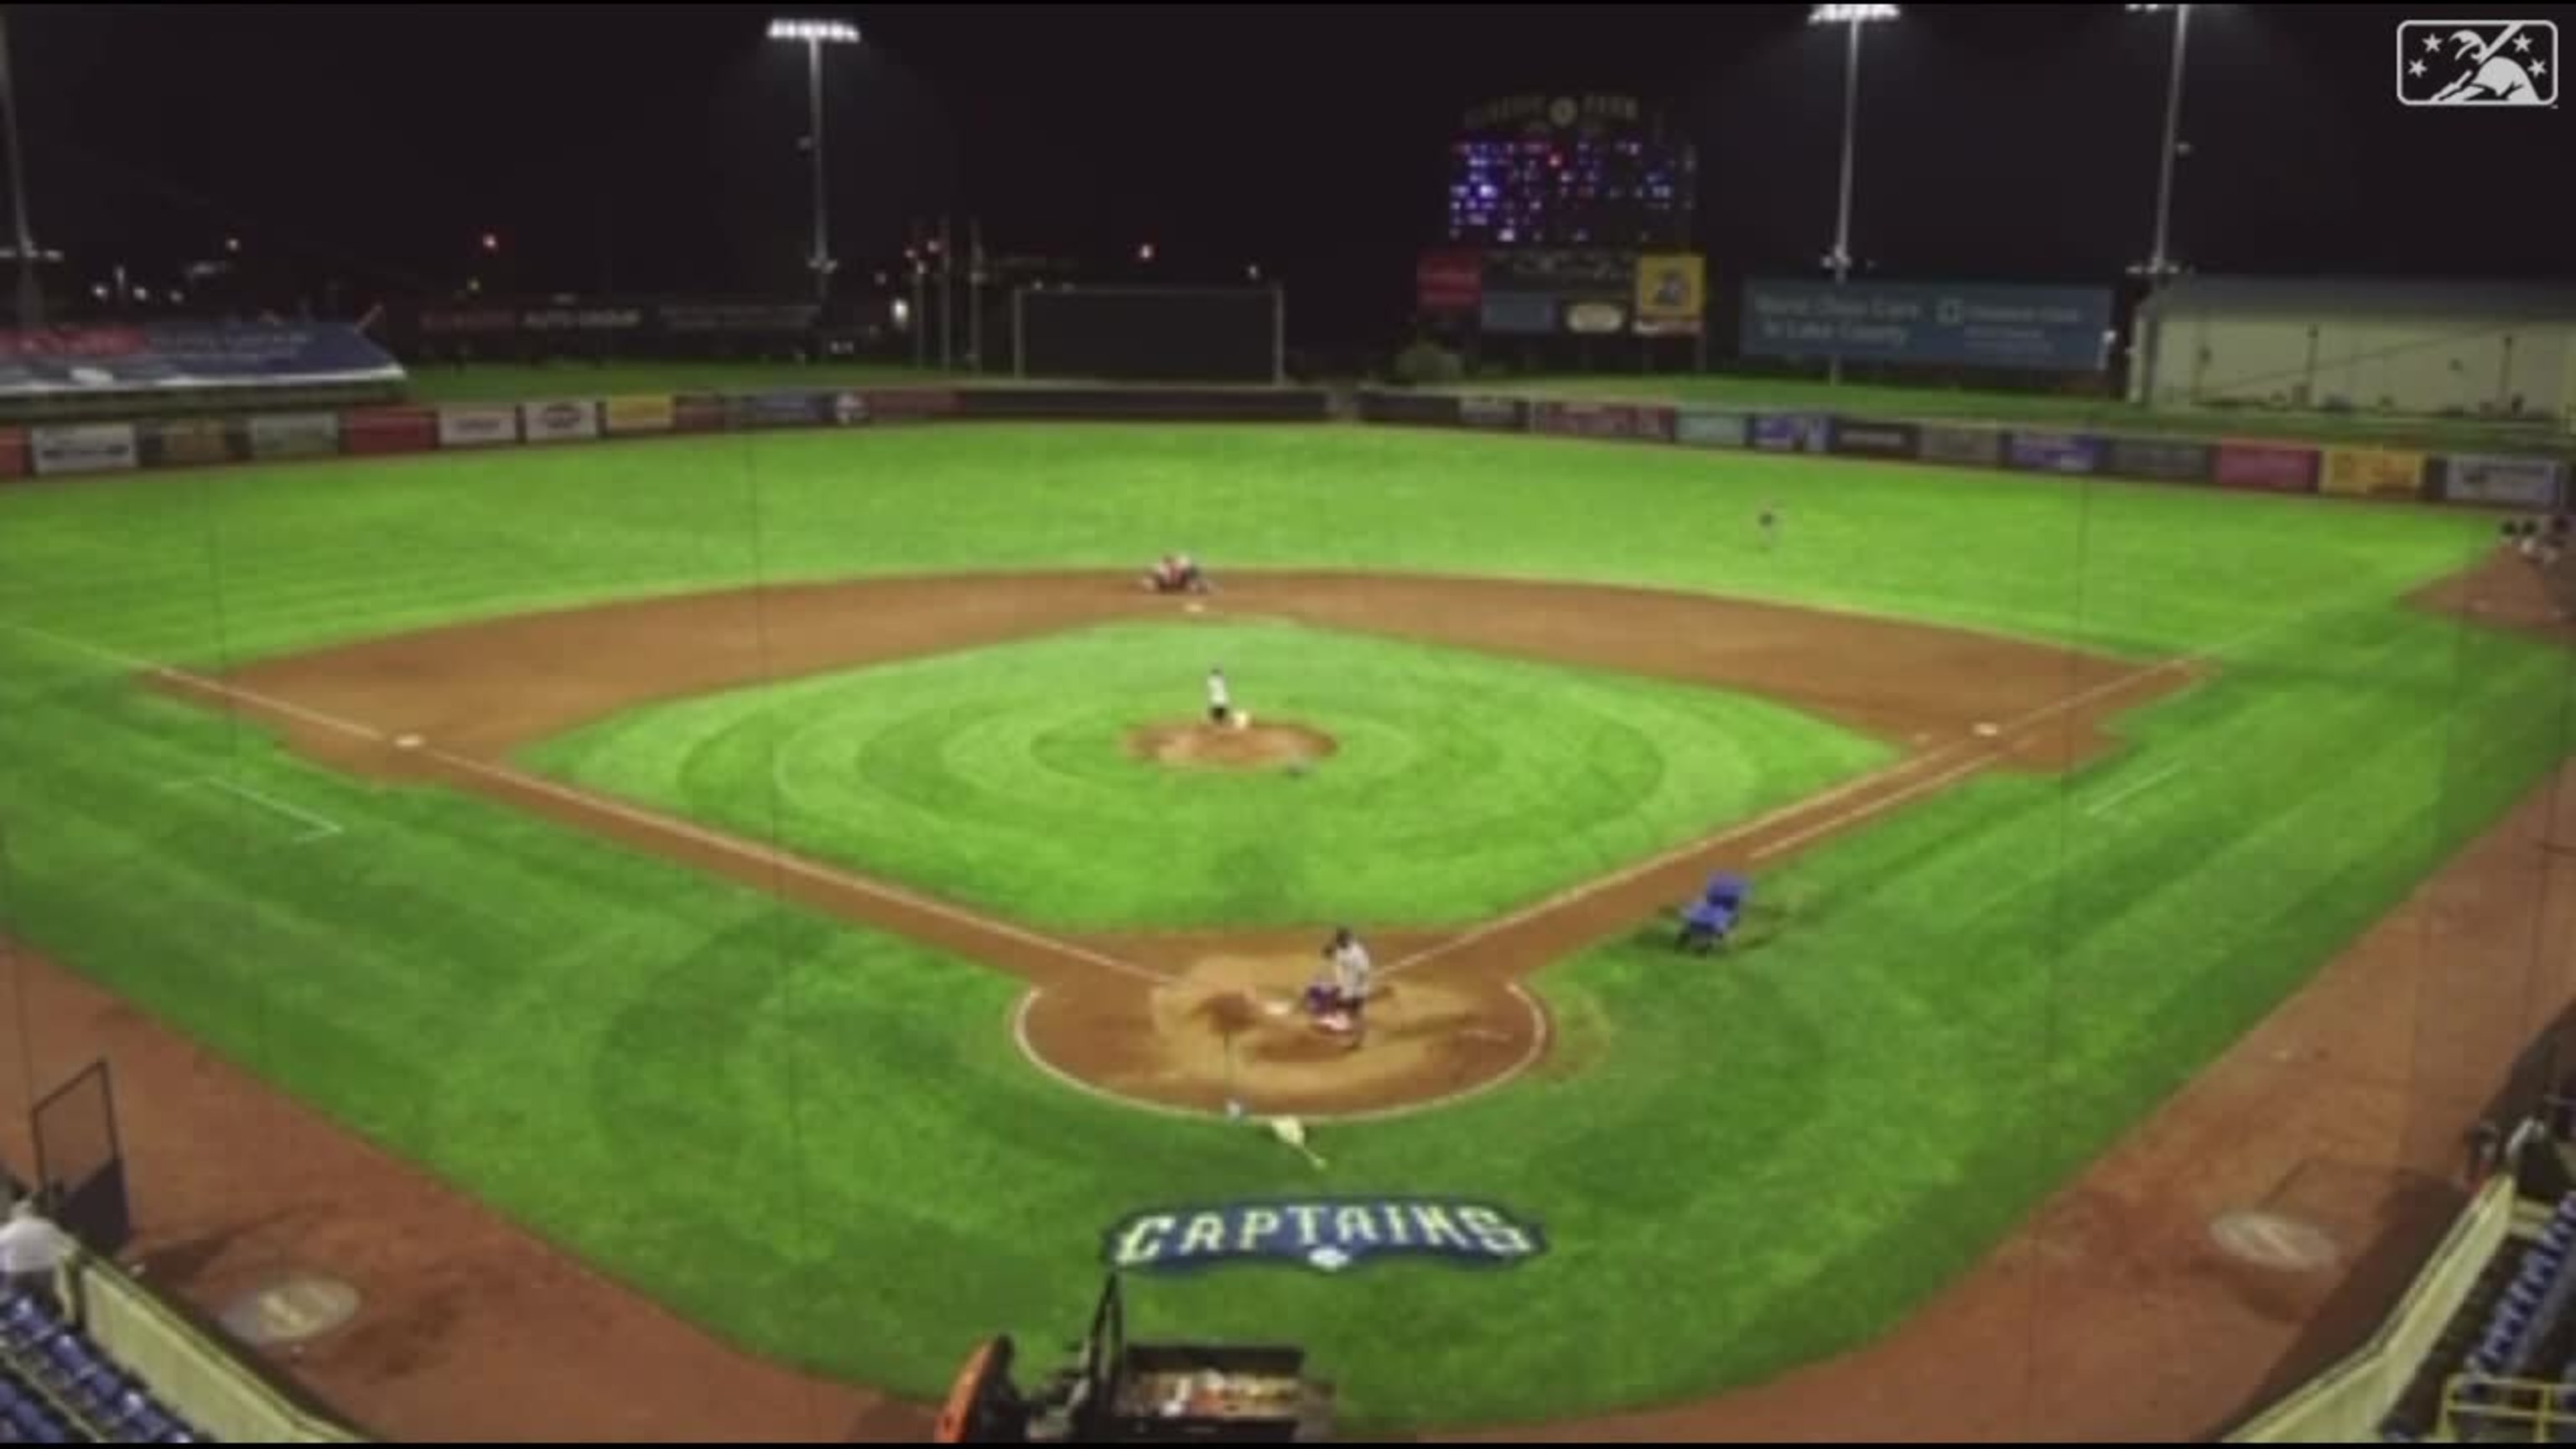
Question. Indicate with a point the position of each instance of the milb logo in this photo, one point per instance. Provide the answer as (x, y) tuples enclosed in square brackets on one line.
[(2477, 63), (1330, 1236)]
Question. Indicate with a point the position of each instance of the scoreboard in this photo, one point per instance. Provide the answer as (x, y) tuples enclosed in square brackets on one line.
[(1569, 172)]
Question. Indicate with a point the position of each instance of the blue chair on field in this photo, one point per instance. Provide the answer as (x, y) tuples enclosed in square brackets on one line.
[(1708, 921)]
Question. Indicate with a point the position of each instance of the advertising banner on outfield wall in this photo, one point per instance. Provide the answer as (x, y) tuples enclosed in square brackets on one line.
[(188, 442), (13, 453), (626, 415), (1973, 447), (1411, 409), (84, 448), (560, 422), (1518, 316), (779, 409), (2372, 473), (2267, 467), (295, 435), (2512, 482), (372, 432), (2054, 329), (477, 427), (1495, 414), (1874, 440), (2162, 459), (2045, 452), (1791, 432), (913, 404), (1605, 420), (699, 412), (1701, 428)]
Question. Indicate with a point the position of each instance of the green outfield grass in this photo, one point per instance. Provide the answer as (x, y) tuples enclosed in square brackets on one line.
[(2048, 409), (819, 1142), (510, 382), (1464, 784)]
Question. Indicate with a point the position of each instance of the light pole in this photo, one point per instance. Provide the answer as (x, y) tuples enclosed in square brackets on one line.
[(814, 35), (1851, 18), (31, 298), (2160, 265)]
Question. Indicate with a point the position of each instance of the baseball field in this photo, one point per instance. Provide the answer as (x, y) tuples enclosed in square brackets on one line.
[(787, 872)]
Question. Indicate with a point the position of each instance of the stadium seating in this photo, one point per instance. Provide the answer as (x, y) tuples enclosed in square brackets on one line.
[(57, 1387)]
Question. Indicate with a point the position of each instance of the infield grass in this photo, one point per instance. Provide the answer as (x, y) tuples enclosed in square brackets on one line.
[(1464, 783), (819, 1142)]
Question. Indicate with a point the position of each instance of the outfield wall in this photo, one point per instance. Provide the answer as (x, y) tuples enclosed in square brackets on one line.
[(2253, 465), (2264, 465)]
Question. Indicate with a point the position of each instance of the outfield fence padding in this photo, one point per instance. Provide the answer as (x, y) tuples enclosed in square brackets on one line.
[(2347, 471)]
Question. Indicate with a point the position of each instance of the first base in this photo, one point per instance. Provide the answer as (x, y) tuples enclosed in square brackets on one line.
[(407, 742), (1243, 720), (1989, 731)]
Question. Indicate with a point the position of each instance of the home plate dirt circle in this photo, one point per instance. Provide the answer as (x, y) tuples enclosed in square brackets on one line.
[(1232, 1028), (2271, 1241)]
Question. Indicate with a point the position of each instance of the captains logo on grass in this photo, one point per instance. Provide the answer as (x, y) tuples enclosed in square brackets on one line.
[(2477, 63), (1328, 1236)]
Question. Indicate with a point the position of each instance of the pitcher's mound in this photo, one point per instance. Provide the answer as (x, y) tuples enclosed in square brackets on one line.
[(1213, 747)]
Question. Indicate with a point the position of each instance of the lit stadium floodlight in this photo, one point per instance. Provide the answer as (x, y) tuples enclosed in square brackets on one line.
[(814, 35), (2160, 266), (2159, 260), (1850, 14), (1852, 18), (815, 32)]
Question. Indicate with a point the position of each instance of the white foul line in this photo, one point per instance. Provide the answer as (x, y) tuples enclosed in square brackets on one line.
[(2024, 721), (1688, 848), (1837, 821), (199, 681), (2134, 788), (791, 864), (732, 845)]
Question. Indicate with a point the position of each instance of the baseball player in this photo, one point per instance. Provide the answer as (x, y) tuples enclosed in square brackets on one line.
[(1220, 699), (1351, 972), (1769, 523)]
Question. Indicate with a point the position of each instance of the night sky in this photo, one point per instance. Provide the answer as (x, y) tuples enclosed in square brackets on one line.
[(359, 151)]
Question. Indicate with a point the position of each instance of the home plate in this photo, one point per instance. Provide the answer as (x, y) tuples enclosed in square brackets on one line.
[(408, 742), (1987, 730)]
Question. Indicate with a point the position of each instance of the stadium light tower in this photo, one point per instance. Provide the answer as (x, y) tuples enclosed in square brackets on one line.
[(31, 296), (1851, 18), (2160, 266), (2160, 260), (814, 35)]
